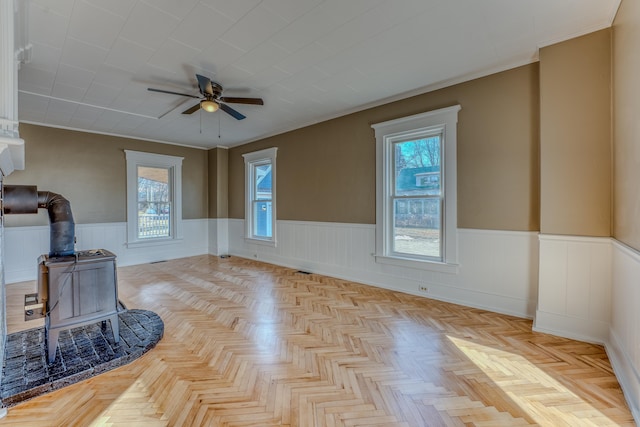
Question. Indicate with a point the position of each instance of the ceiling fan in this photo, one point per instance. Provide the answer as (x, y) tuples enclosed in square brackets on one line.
[(212, 98)]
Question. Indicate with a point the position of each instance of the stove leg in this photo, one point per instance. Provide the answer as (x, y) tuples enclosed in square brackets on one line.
[(52, 344), (115, 327)]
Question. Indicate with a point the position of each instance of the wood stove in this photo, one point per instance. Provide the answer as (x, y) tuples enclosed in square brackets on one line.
[(77, 290)]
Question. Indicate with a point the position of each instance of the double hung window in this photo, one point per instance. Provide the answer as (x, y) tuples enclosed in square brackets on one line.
[(416, 209), (260, 203), (154, 205)]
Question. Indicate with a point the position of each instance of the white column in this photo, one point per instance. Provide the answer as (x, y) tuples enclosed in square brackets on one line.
[(11, 145)]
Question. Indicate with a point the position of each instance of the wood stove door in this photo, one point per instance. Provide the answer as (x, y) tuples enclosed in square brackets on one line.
[(79, 292)]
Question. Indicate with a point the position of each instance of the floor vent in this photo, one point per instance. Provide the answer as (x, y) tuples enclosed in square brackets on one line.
[(158, 262), (303, 272)]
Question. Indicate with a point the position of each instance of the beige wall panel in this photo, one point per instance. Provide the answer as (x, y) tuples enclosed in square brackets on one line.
[(575, 136), (90, 171), (218, 183), (326, 172), (626, 126)]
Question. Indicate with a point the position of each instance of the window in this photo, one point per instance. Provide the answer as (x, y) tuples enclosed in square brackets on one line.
[(260, 196), (154, 203), (416, 210)]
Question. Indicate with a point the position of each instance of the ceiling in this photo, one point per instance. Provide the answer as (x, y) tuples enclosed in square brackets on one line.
[(91, 61)]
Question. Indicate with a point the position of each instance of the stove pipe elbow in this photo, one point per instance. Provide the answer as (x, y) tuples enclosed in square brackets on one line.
[(62, 226), (22, 199)]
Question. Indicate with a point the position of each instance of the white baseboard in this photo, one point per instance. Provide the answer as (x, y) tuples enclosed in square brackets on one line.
[(576, 328), (627, 374)]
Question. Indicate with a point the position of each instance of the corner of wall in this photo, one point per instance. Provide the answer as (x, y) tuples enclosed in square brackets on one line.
[(624, 336), (219, 236), (574, 289)]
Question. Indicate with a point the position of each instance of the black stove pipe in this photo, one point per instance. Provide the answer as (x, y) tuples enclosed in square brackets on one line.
[(21, 199)]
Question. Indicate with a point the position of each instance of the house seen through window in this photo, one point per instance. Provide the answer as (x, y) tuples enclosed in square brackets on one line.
[(416, 210), (154, 198), (417, 197), (154, 202), (260, 196), (262, 200)]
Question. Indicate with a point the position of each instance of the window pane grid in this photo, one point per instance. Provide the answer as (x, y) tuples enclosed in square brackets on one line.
[(416, 197), (154, 202), (261, 195)]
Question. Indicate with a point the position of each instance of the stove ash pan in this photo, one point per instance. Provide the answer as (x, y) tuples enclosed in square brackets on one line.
[(77, 290)]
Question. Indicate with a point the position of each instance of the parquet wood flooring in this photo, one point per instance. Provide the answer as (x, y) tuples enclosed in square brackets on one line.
[(252, 344)]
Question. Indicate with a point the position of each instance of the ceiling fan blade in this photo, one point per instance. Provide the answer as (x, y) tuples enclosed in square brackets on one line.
[(172, 93), (205, 85), (232, 112), (233, 100), (192, 109)]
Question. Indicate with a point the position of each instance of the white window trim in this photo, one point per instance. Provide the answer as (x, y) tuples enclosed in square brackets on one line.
[(268, 154), (139, 158), (386, 133)]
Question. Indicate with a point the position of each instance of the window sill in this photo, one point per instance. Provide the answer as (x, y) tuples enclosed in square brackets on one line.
[(262, 242), (153, 242), (440, 267)]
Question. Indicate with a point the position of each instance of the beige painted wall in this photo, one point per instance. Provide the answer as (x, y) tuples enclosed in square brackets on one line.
[(218, 183), (90, 171), (626, 125), (326, 172), (575, 136)]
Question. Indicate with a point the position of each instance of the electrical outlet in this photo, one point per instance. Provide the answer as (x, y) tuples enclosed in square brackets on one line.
[(423, 288)]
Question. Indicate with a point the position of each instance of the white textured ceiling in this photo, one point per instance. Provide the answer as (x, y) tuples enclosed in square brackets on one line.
[(93, 60)]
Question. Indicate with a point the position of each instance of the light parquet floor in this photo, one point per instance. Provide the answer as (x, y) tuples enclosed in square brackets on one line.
[(252, 344)]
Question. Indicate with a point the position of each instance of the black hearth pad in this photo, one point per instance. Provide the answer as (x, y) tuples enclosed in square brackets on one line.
[(82, 353)]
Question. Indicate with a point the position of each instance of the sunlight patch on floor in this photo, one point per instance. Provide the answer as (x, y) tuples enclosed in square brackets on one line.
[(545, 400), (134, 406)]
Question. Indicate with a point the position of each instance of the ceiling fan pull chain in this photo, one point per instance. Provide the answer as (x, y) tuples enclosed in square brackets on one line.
[(218, 126)]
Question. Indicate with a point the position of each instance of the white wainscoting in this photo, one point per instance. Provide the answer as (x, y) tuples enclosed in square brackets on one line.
[(624, 335), (498, 269), (219, 236), (574, 292), (23, 246)]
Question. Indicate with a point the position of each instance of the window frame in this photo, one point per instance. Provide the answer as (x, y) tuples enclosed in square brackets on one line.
[(135, 159), (388, 133), (393, 196), (251, 160)]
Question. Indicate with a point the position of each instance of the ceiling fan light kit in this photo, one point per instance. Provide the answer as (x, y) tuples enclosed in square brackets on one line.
[(209, 106), (212, 99)]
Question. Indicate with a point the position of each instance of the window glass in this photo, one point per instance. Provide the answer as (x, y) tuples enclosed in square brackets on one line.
[(260, 203), (154, 198), (154, 202), (417, 226), (262, 210)]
